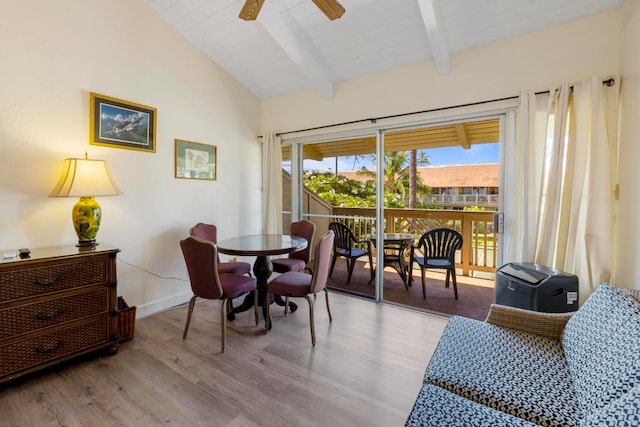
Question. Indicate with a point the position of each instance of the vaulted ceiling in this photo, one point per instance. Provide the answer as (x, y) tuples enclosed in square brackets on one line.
[(292, 46)]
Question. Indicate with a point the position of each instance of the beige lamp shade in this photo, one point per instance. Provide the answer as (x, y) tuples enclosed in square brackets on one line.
[(85, 178)]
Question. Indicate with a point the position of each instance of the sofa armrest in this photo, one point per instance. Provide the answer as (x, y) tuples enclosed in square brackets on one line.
[(548, 325), (634, 293)]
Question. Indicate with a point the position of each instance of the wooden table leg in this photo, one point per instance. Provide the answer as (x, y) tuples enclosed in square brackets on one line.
[(262, 270)]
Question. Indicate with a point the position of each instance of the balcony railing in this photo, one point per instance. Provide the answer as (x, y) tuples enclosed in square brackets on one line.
[(486, 200), (480, 242), (479, 251)]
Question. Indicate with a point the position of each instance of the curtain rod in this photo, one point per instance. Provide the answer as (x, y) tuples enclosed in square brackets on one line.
[(608, 82)]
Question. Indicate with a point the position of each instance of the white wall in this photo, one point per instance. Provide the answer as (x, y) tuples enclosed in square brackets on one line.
[(52, 54), (627, 266)]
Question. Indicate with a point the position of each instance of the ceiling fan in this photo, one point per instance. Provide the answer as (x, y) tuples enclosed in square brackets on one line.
[(331, 8)]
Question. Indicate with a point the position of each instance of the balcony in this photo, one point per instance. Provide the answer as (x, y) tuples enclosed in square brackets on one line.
[(463, 200), (476, 262), (479, 250), (475, 295)]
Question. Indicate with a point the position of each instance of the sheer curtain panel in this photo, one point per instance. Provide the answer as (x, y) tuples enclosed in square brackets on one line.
[(272, 183), (563, 167)]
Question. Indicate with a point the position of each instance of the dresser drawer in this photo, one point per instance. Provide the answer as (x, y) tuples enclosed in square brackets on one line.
[(54, 345), (30, 317), (27, 282)]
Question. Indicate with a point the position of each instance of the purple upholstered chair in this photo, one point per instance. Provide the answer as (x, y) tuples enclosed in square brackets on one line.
[(201, 257), (298, 260), (210, 232), (298, 284)]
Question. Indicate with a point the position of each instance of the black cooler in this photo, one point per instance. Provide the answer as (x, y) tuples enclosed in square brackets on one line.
[(536, 287)]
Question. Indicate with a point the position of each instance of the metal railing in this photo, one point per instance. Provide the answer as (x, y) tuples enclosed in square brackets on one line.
[(485, 200)]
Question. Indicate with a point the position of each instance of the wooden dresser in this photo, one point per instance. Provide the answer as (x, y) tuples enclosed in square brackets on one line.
[(57, 304)]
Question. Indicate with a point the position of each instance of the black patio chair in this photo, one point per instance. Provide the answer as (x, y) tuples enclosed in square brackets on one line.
[(439, 248), (345, 245)]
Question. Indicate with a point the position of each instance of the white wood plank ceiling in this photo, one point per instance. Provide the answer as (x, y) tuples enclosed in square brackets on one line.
[(292, 46)]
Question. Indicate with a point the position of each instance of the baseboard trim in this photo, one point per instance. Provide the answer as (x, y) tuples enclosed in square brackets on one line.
[(154, 307)]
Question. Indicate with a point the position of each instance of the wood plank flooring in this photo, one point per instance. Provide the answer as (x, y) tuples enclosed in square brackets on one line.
[(365, 370)]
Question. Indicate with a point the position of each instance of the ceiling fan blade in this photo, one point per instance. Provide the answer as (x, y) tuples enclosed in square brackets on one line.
[(251, 9), (331, 8)]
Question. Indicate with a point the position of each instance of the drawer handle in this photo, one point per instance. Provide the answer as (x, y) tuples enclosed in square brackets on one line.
[(53, 349), (45, 282), (58, 313)]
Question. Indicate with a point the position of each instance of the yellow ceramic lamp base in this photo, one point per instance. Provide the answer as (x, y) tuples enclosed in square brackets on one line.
[(86, 220)]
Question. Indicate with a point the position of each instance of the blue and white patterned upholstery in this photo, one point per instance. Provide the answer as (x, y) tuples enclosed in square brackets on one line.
[(602, 347), (622, 412), (520, 374), (436, 407)]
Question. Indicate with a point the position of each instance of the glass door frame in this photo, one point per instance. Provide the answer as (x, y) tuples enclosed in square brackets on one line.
[(504, 110)]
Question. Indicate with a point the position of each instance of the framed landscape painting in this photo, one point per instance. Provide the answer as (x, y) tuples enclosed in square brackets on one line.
[(195, 160), (122, 124)]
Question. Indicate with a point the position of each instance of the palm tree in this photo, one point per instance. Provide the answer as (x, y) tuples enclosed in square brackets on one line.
[(398, 174), (413, 178)]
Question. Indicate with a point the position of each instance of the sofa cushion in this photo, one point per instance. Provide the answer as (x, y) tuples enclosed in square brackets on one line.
[(602, 346), (622, 412), (436, 407), (522, 374)]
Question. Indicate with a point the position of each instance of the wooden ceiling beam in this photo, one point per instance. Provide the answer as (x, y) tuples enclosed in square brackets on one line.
[(331, 8), (311, 152), (251, 9), (463, 141)]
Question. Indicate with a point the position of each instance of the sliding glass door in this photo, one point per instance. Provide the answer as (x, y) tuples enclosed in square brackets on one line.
[(335, 185), (388, 187)]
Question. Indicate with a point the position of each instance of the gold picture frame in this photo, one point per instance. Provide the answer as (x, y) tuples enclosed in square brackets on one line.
[(194, 160), (121, 124)]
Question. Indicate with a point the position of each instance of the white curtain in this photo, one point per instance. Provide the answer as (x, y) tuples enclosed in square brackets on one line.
[(563, 171), (590, 237), (556, 174), (523, 169), (272, 183)]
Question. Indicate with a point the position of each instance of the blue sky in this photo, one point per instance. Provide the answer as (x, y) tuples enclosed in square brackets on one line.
[(480, 153)]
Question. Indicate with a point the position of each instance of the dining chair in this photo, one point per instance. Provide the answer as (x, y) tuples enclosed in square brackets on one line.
[(299, 284), (438, 248), (298, 260), (345, 245), (210, 232), (201, 257)]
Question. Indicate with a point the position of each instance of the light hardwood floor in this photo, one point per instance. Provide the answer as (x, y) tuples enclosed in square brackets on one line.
[(365, 370)]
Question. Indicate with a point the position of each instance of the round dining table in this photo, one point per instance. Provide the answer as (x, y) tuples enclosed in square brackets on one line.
[(262, 246)]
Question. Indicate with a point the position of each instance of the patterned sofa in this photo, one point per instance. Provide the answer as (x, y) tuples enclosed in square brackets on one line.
[(523, 368)]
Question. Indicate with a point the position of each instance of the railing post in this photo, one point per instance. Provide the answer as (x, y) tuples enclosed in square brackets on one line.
[(467, 242), (389, 221)]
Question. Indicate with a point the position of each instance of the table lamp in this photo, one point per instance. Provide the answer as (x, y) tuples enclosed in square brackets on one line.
[(86, 179)]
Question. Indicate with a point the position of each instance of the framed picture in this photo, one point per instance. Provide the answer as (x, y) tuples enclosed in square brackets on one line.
[(195, 160), (122, 124)]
